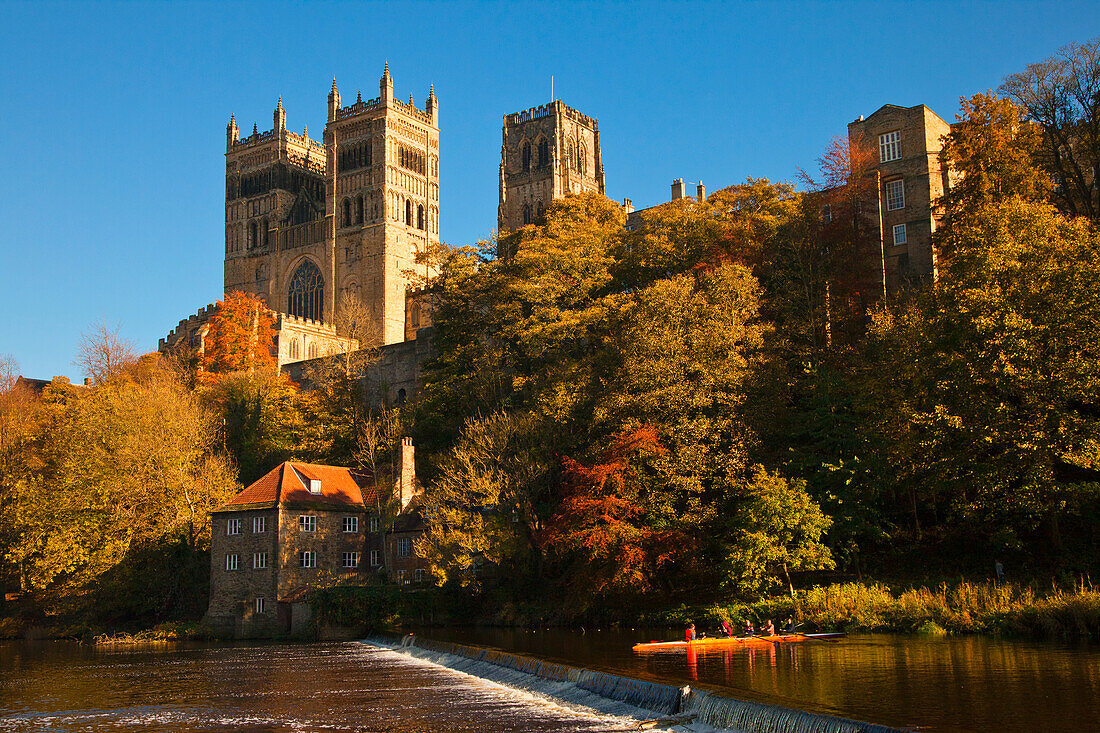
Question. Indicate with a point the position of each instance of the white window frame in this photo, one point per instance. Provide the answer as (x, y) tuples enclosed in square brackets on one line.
[(259, 525), (307, 559), (307, 523), (232, 562), (889, 146), (259, 605), (375, 559), (232, 527), (900, 229), (374, 524), (404, 547), (895, 194), (351, 559), (259, 561), (314, 484), (351, 524), (418, 575)]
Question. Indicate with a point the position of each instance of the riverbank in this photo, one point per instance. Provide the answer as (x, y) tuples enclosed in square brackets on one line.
[(963, 608)]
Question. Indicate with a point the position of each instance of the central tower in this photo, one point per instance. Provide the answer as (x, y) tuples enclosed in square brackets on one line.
[(546, 153), (311, 224)]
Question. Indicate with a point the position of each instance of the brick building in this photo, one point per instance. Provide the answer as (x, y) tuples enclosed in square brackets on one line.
[(303, 526)]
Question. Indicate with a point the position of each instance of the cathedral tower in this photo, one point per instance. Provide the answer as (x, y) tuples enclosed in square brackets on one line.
[(546, 153), (308, 222)]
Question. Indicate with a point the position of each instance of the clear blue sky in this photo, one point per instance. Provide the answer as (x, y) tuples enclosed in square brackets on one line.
[(114, 115)]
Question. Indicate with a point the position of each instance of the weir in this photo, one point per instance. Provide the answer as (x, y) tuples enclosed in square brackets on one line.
[(559, 680)]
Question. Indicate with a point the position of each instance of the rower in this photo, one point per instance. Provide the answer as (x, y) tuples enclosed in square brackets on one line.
[(689, 633), (769, 628), (727, 629), (749, 630)]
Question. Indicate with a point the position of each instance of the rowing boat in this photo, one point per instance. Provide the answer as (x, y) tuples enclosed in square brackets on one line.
[(736, 640)]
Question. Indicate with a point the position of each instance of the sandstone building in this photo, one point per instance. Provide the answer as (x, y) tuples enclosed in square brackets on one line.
[(546, 152), (303, 526)]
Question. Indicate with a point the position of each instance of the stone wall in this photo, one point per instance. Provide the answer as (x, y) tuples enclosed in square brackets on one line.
[(233, 592)]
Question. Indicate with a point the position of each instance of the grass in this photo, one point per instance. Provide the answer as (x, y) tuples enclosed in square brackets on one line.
[(962, 608)]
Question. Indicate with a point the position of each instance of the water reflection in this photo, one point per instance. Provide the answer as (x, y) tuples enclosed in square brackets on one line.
[(951, 684)]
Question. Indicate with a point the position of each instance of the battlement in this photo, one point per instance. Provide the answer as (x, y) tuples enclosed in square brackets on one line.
[(184, 327), (259, 138), (545, 110), (412, 111), (361, 106)]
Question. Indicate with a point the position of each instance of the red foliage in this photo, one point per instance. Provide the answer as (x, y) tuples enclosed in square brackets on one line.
[(598, 521), (241, 336)]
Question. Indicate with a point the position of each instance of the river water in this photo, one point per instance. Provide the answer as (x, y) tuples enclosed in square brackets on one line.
[(952, 684)]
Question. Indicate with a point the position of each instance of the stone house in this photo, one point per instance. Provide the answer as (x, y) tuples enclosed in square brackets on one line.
[(303, 526)]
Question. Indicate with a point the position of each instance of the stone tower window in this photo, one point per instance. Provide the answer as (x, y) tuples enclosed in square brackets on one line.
[(306, 295), (582, 159), (408, 213), (544, 153), (252, 231), (292, 349), (539, 210), (526, 214), (526, 156), (420, 217), (359, 210), (347, 213)]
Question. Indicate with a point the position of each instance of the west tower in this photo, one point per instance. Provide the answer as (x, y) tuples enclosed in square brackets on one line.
[(546, 153), (309, 222)]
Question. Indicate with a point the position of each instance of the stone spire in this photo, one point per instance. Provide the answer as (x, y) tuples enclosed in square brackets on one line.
[(385, 85), (232, 134), (280, 116), (432, 105), (333, 101)]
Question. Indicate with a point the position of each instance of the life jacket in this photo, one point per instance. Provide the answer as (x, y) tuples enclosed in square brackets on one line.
[(689, 635)]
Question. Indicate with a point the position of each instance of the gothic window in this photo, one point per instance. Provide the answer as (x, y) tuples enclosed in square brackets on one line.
[(292, 349), (252, 234), (313, 350), (582, 159), (347, 213), (408, 212), (544, 153), (402, 396), (526, 214), (420, 217), (526, 156), (305, 298), (266, 232), (539, 210), (359, 210)]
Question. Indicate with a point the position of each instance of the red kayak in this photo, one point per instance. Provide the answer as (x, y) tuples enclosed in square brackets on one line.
[(737, 641)]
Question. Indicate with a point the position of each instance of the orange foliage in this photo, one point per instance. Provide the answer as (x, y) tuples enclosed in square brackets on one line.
[(241, 336), (599, 522)]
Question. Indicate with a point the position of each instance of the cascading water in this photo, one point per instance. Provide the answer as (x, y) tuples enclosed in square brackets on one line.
[(564, 681)]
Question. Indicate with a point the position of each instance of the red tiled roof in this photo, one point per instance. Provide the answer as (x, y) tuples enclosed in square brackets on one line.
[(289, 483)]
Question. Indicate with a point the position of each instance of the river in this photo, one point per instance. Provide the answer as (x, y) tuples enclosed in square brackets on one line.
[(952, 684)]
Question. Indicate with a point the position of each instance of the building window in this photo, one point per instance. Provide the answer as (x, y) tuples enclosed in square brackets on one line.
[(351, 524), (259, 525), (307, 523), (306, 295), (409, 213), (418, 575), (347, 213), (374, 524), (827, 214), (375, 558), (292, 350), (259, 561), (420, 217), (895, 195), (526, 156), (899, 234), (889, 146), (233, 526), (259, 605), (404, 547), (232, 562), (358, 209), (526, 214), (351, 559), (544, 153), (313, 352), (307, 559)]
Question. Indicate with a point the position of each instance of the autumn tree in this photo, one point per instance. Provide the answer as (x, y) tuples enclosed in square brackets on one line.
[(241, 336), (1062, 95), (103, 354)]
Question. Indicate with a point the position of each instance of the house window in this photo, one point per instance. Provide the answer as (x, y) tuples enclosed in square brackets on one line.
[(232, 562), (314, 484), (307, 523), (899, 234), (895, 195), (259, 525), (233, 526), (404, 547), (259, 605), (351, 524), (889, 146), (259, 561), (375, 524), (351, 559), (826, 213), (307, 559), (418, 575), (375, 558)]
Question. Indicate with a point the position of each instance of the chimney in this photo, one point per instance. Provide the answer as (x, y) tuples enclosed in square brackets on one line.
[(678, 189), (628, 205), (406, 473), (701, 190), (87, 381)]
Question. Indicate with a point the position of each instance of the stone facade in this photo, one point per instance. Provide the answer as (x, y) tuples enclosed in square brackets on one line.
[(910, 176), (546, 153), (308, 221)]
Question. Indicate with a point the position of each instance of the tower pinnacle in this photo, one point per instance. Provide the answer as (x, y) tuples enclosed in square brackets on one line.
[(280, 116), (333, 101), (385, 84)]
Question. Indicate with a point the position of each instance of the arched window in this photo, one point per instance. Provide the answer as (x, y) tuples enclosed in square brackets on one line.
[(409, 212), (312, 349), (265, 232), (544, 153), (420, 217), (526, 214), (292, 349), (582, 158), (306, 295), (539, 210), (358, 209), (347, 213), (252, 234), (526, 156), (402, 395)]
